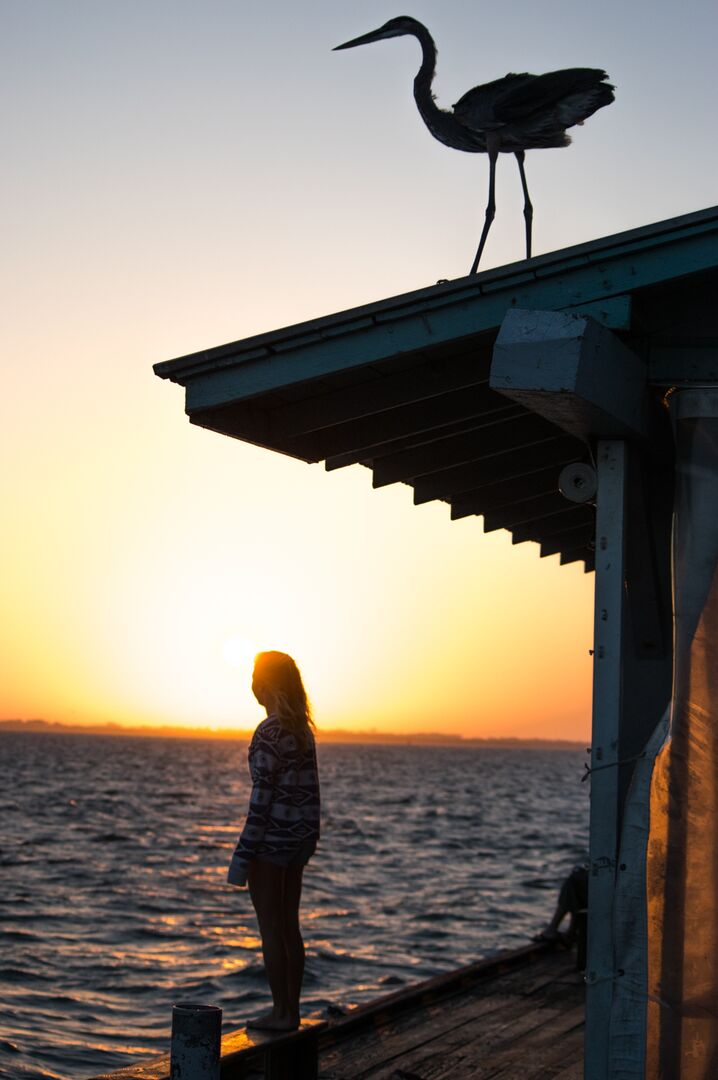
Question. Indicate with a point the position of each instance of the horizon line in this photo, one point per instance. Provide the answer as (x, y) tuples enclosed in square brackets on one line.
[(334, 735)]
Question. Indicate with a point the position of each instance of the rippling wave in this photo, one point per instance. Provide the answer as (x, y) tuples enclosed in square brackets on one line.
[(114, 853)]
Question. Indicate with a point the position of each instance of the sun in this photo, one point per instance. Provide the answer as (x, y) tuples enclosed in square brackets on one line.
[(239, 652)]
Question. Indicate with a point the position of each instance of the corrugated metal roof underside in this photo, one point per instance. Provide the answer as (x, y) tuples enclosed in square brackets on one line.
[(402, 386)]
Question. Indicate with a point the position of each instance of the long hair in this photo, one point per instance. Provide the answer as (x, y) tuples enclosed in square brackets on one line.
[(277, 673)]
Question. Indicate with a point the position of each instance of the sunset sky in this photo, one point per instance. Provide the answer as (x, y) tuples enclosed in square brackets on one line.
[(179, 174)]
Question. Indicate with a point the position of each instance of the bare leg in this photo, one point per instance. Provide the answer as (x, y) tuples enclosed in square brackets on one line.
[(293, 937), (528, 208), (551, 931), (490, 209), (572, 898), (267, 888)]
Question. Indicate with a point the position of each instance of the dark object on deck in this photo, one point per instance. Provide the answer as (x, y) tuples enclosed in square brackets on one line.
[(195, 1042), (509, 115), (572, 901)]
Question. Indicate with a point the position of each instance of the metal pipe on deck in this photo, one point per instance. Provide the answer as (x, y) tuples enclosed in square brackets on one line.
[(196, 1041)]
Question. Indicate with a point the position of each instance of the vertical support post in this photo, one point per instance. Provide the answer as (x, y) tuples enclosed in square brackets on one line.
[(605, 742), (195, 1048)]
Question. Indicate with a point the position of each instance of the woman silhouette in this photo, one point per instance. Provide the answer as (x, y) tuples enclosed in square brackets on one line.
[(281, 830)]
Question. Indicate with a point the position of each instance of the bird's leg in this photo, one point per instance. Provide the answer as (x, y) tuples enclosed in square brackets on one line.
[(490, 207), (528, 208)]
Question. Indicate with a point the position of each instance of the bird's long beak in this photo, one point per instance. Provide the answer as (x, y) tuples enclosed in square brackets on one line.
[(365, 39)]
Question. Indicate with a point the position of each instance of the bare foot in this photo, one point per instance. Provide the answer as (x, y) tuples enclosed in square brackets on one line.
[(273, 1021), (549, 934), (260, 1021)]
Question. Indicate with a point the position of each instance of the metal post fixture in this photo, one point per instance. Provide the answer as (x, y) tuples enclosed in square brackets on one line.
[(607, 693), (196, 1041)]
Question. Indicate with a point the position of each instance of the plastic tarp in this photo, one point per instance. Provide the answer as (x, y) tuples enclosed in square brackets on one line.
[(664, 1020)]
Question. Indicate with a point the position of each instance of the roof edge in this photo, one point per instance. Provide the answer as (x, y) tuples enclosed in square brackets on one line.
[(442, 294)]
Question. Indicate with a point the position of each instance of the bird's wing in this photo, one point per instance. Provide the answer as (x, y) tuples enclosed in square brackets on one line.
[(516, 97), (476, 108), (543, 91)]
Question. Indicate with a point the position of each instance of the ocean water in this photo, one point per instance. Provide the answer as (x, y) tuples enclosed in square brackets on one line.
[(113, 854)]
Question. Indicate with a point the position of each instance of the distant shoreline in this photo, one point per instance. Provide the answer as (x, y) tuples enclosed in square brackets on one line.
[(44, 727)]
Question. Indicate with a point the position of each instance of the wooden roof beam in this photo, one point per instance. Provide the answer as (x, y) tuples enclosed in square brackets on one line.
[(576, 530), (376, 431), (440, 375), (505, 432), (586, 554), (499, 494), (536, 508), (427, 439), (555, 450), (571, 540), (550, 524), (577, 517)]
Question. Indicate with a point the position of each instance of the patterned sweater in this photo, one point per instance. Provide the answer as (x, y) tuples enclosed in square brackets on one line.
[(284, 804)]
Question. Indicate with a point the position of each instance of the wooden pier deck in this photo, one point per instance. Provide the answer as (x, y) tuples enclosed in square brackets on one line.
[(519, 1017), (516, 1016)]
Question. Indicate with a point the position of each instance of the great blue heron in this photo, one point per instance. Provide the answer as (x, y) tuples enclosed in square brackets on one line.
[(507, 116)]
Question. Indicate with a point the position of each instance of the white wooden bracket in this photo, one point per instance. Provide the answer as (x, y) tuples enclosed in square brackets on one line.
[(576, 373)]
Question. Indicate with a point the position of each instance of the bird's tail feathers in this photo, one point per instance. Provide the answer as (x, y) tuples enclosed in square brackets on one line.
[(578, 107)]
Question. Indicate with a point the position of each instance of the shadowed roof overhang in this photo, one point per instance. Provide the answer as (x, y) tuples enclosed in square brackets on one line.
[(402, 385)]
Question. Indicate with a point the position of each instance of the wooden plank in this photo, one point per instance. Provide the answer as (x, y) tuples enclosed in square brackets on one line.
[(579, 542), (436, 375), (400, 1016), (545, 1060), (403, 1049), (423, 416), (568, 541), (493, 496), (569, 555), (536, 508), (484, 1044), (557, 450), (562, 1048), (614, 311), (407, 1035), (479, 1054), (571, 1072), (368, 455), (576, 516), (534, 960), (391, 1036), (505, 433), (496, 1002)]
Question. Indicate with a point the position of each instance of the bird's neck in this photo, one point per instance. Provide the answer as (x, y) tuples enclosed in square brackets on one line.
[(424, 78)]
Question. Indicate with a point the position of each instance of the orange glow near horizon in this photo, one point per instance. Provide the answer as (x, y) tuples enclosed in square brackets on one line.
[(400, 620), (152, 560)]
